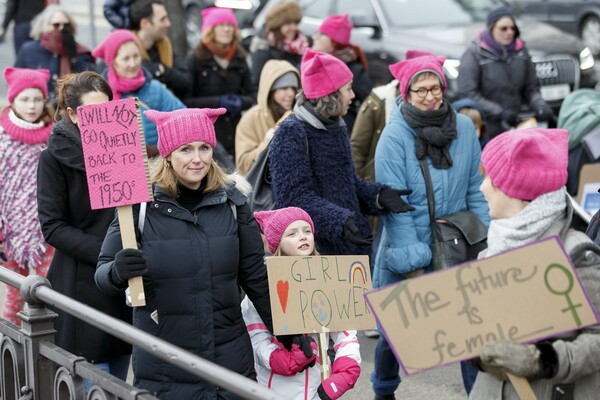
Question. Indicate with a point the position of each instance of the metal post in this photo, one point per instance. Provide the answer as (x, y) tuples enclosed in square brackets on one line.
[(92, 24)]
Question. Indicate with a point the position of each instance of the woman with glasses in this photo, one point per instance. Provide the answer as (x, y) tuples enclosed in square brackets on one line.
[(54, 47), (423, 126), (497, 72)]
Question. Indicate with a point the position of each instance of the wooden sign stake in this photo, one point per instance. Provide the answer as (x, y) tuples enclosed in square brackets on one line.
[(136, 284), (323, 346), (522, 387)]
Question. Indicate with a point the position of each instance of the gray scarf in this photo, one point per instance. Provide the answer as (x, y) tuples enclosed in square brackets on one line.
[(528, 225)]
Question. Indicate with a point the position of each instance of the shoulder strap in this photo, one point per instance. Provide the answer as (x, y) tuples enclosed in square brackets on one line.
[(429, 189), (142, 216)]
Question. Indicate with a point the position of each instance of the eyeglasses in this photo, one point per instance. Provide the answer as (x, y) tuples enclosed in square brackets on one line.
[(505, 28), (422, 92), (61, 25)]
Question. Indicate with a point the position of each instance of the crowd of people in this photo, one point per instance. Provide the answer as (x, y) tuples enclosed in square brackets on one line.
[(347, 167)]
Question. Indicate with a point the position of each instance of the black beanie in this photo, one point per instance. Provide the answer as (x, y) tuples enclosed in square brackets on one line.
[(498, 13)]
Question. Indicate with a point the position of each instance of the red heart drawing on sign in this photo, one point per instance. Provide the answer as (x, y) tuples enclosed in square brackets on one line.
[(283, 288)]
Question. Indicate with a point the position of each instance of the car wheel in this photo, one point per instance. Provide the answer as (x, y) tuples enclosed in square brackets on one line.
[(193, 24), (590, 33)]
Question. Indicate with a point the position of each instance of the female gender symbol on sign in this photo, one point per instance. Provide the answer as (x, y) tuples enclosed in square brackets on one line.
[(571, 307)]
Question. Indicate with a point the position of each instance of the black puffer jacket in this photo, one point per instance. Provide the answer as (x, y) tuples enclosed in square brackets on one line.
[(498, 84), (76, 231), (210, 81), (196, 260)]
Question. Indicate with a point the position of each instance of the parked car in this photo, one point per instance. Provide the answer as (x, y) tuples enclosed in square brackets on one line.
[(578, 17), (385, 29)]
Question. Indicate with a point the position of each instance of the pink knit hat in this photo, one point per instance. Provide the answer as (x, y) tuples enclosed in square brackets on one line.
[(19, 79), (416, 62), (274, 223), (338, 28), (527, 163), (176, 128), (213, 16), (107, 50), (322, 74)]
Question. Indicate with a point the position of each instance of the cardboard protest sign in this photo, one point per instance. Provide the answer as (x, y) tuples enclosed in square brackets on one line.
[(116, 166), (310, 294), (523, 295)]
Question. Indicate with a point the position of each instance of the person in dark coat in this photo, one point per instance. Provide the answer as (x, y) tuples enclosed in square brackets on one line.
[(199, 245), (321, 178), (150, 23), (220, 74), (333, 37), (76, 231), (116, 13), (54, 47), (279, 39), (21, 12), (496, 71)]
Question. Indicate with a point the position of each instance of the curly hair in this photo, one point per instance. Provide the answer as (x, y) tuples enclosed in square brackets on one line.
[(328, 106)]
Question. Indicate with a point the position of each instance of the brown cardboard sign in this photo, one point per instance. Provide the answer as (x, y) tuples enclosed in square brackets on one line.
[(523, 295), (309, 294)]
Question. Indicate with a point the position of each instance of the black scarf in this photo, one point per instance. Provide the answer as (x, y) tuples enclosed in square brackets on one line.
[(435, 131), (331, 124)]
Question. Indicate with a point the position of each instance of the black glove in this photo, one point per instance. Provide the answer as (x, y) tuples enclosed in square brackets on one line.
[(3, 257), (303, 341), (510, 117), (352, 233), (128, 263), (545, 114), (69, 43), (232, 102), (390, 200), (322, 394)]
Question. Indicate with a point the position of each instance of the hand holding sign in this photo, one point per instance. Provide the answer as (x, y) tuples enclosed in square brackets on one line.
[(116, 166)]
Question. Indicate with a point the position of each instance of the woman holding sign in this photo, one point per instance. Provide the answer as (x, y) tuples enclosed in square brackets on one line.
[(199, 244), (24, 130), (526, 173), (281, 364), (76, 231)]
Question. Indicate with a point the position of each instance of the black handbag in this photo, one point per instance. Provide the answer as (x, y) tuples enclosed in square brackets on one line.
[(259, 176), (455, 238)]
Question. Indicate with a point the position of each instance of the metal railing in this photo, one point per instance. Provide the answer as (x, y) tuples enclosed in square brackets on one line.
[(33, 367)]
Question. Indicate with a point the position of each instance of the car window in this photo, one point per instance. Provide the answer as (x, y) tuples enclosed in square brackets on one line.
[(361, 12), (412, 13), (315, 8)]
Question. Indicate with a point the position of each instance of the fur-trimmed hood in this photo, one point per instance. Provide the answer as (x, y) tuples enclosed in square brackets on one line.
[(282, 14)]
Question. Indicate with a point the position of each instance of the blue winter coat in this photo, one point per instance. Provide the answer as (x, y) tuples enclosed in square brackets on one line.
[(322, 180), (154, 96), (404, 244)]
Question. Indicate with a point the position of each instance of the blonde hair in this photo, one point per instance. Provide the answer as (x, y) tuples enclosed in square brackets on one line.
[(210, 34), (40, 22), (473, 115), (161, 173)]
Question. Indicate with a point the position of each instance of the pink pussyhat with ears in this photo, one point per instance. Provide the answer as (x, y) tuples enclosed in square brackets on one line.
[(338, 28), (527, 163), (107, 50), (176, 128), (404, 71), (213, 16), (273, 223), (322, 74), (19, 79)]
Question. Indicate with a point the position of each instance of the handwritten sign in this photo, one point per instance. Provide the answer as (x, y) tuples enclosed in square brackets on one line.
[(309, 293), (521, 296), (115, 156)]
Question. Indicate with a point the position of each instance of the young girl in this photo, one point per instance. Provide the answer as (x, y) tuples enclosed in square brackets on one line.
[(280, 363), (24, 130)]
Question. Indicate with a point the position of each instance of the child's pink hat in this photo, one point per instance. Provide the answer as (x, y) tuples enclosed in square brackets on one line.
[(527, 163), (322, 74), (176, 128), (274, 223), (213, 16), (19, 79)]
